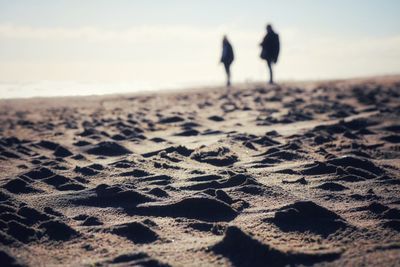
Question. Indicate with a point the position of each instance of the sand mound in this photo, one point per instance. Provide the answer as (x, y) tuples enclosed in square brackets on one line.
[(108, 149), (62, 152), (181, 150), (216, 118), (360, 172), (236, 180), (158, 192), (19, 185), (135, 232), (7, 260), (205, 178), (308, 216), (136, 173), (137, 259), (201, 208), (21, 232), (393, 128), (391, 214), (172, 119), (395, 139), (351, 161), (243, 250), (32, 215), (374, 207), (48, 144), (188, 132), (319, 168), (91, 221), (63, 183), (331, 186), (111, 196), (220, 156), (39, 173), (57, 230), (392, 224), (87, 171)]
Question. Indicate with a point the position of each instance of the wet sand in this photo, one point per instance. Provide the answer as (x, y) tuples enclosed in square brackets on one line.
[(292, 174)]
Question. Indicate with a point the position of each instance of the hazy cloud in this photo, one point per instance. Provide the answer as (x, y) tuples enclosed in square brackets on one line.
[(184, 54)]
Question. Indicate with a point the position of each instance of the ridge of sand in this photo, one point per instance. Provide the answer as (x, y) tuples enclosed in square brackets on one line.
[(292, 174)]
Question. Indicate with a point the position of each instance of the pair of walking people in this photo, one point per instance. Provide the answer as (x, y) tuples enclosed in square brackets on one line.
[(270, 52)]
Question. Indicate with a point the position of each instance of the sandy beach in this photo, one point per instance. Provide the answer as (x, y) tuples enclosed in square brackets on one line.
[(255, 175)]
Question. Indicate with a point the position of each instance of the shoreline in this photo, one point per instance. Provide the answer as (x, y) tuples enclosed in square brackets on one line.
[(182, 89)]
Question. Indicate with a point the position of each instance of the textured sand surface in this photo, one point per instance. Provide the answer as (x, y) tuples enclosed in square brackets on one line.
[(296, 174)]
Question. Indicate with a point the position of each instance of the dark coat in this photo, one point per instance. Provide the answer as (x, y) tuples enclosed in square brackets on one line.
[(227, 53), (270, 47)]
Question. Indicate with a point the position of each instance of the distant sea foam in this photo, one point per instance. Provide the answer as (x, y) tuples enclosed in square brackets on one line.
[(71, 88)]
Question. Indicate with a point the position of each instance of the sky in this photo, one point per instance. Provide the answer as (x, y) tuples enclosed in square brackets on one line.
[(177, 43)]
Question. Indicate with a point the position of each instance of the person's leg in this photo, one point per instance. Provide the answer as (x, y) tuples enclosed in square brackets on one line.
[(271, 78), (228, 74)]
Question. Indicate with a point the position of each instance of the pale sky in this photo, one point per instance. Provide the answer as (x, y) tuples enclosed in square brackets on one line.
[(178, 42)]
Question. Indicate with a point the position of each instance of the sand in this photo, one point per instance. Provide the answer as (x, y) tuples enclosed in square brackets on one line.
[(257, 175)]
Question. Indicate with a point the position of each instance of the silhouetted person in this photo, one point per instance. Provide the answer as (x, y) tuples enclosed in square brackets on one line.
[(270, 50), (227, 58)]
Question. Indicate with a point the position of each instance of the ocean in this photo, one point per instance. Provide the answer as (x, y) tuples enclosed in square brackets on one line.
[(10, 90)]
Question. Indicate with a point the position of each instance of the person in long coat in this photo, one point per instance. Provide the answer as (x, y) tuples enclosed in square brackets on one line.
[(227, 58), (270, 50)]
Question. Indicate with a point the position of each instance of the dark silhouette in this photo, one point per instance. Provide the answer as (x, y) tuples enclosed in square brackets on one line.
[(270, 50), (227, 58)]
